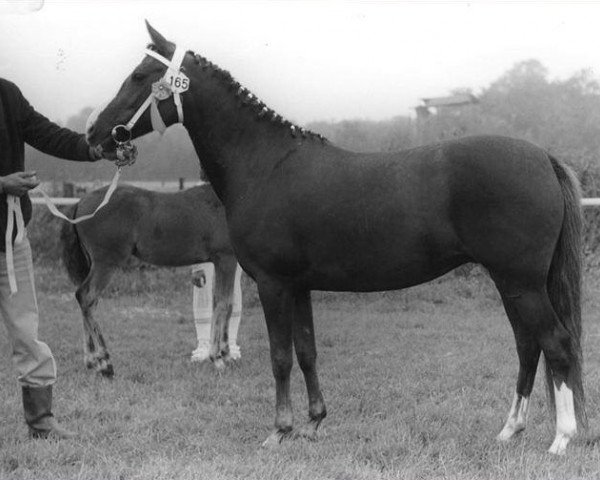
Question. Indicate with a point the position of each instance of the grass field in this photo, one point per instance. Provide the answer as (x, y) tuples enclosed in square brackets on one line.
[(417, 385)]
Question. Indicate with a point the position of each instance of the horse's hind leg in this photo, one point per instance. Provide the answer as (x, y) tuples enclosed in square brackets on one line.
[(96, 354), (528, 350), (537, 316)]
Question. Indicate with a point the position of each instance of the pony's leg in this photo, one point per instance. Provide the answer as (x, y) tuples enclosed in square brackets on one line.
[(225, 268), (528, 350), (306, 352), (87, 305), (95, 352), (236, 316), (278, 305), (538, 316)]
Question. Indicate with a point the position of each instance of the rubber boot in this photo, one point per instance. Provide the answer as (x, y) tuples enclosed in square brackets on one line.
[(37, 404)]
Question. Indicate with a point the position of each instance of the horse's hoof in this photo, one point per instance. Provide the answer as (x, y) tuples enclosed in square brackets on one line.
[(90, 362), (230, 358), (234, 352), (200, 355), (274, 439), (508, 433), (308, 430), (108, 371), (105, 368), (199, 358), (559, 446), (219, 364)]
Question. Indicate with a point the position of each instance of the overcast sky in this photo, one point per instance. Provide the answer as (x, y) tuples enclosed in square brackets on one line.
[(309, 60)]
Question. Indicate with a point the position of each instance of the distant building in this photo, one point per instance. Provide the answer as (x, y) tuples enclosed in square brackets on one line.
[(444, 104), (440, 118)]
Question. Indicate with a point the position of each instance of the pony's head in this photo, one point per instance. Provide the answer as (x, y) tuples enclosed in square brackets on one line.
[(146, 101)]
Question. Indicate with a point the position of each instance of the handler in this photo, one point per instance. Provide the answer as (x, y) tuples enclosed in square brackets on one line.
[(33, 360)]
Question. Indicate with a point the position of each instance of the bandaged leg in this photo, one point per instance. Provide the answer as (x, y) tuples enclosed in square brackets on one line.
[(236, 316), (203, 280)]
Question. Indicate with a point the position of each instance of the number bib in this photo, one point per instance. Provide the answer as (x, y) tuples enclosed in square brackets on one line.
[(179, 83)]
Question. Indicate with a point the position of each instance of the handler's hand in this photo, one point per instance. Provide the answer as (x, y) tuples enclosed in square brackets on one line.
[(18, 183)]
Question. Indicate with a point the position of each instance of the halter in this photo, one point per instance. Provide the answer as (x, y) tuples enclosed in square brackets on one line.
[(174, 82)]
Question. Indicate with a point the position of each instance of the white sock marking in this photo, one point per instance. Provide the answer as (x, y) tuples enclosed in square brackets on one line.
[(566, 424), (517, 418)]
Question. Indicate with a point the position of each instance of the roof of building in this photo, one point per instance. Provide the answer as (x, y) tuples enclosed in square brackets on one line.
[(451, 101)]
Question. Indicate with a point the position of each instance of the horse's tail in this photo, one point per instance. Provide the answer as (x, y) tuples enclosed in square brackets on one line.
[(74, 256), (564, 284)]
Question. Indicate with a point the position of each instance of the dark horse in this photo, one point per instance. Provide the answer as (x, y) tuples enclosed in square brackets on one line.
[(305, 215), (168, 229)]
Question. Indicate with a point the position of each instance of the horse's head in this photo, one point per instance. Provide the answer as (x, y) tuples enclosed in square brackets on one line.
[(138, 107)]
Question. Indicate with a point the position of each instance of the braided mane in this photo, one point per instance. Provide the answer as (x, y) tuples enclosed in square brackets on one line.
[(251, 101)]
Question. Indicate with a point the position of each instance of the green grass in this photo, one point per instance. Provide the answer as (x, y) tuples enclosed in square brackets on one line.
[(417, 385)]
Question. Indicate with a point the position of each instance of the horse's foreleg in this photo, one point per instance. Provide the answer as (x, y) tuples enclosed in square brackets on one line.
[(278, 304), (306, 353), (96, 354)]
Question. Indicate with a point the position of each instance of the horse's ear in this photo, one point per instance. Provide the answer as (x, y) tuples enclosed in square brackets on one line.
[(157, 39)]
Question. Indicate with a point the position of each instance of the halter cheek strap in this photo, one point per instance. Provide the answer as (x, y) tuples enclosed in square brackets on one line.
[(174, 82)]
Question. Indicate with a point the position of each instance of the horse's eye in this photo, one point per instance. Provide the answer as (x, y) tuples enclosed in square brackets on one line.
[(137, 77)]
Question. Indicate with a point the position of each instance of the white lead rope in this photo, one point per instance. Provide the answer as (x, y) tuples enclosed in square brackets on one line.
[(174, 82), (14, 211), (57, 213)]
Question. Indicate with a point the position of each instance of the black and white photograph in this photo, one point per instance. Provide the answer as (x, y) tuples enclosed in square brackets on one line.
[(304, 240)]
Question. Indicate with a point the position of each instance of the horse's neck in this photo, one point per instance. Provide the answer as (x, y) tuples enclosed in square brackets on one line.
[(236, 149)]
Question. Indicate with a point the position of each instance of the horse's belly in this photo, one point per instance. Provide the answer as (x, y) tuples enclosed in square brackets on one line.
[(373, 259), (391, 273), (174, 251)]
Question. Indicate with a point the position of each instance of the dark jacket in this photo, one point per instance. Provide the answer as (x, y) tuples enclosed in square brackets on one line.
[(20, 124)]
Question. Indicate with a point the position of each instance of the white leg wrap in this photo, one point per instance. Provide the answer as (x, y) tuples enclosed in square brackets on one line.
[(236, 316), (517, 418), (566, 424), (203, 312)]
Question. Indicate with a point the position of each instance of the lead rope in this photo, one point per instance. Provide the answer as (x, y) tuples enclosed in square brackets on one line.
[(174, 82), (57, 213), (14, 211)]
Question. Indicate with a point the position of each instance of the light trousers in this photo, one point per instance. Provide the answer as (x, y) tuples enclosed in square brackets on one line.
[(31, 358)]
